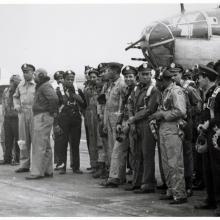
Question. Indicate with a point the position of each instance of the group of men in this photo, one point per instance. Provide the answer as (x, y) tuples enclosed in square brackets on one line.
[(29, 107), (128, 113)]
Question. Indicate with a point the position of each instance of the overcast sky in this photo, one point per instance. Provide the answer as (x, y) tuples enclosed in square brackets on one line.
[(61, 37)]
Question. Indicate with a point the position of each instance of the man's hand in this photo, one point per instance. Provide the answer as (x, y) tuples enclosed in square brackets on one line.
[(77, 97), (157, 116), (131, 120), (125, 129), (18, 108)]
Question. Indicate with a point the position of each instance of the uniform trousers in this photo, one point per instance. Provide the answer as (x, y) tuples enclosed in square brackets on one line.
[(11, 138), (172, 159), (144, 171), (71, 126), (91, 121), (42, 160), (211, 167), (25, 132)]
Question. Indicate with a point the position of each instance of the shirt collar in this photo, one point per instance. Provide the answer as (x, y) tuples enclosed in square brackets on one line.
[(30, 82)]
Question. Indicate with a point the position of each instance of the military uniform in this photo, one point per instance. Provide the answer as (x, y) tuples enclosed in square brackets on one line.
[(69, 120), (144, 170), (102, 160), (192, 100), (91, 120), (44, 107), (124, 139), (86, 86), (56, 131), (10, 123), (113, 101), (23, 99), (171, 114), (211, 158)]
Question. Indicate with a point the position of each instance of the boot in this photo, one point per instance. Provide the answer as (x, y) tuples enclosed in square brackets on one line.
[(100, 170), (188, 182), (93, 169)]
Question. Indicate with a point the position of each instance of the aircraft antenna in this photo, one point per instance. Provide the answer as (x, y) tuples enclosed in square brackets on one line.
[(182, 8)]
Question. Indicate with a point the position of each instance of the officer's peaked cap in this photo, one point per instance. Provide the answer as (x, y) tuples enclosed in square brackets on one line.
[(206, 71), (70, 72), (57, 74), (145, 67), (26, 67), (129, 70)]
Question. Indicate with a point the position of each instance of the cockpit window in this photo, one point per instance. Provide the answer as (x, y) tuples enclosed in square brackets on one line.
[(189, 25), (159, 33)]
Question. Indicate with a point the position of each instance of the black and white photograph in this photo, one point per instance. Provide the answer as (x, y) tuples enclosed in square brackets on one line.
[(109, 109)]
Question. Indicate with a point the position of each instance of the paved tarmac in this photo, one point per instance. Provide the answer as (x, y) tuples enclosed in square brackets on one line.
[(73, 195)]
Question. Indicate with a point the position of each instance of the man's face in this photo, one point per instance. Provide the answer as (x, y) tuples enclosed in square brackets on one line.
[(130, 79), (102, 76), (177, 78), (28, 75), (99, 82), (60, 79), (202, 82), (93, 78), (69, 80), (144, 77), (107, 74), (36, 77)]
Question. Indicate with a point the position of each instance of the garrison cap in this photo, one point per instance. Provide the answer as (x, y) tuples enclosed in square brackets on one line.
[(57, 74), (68, 72), (129, 70), (15, 78), (187, 73), (206, 71), (93, 70), (101, 67), (176, 68), (145, 67), (114, 64), (26, 67)]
